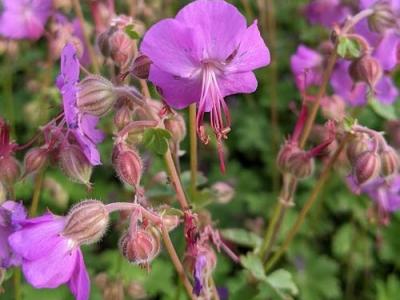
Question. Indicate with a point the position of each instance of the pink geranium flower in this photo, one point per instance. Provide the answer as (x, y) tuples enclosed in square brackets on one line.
[(204, 54)]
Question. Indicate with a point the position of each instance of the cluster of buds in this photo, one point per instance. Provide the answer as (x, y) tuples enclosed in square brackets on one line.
[(370, 156), (117, 289)]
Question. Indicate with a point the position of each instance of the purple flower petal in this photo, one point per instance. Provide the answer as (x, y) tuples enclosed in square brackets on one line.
[(178, 92), (326, 12), (386, 52), (252, 52), (201, 262), (386, 91), (238, 83), (37, 237), (180, 52), (24, 19), (80, 282), (54, 268), (217, 23)]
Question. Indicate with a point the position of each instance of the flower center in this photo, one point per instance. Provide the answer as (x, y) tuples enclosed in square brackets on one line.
[(211, 100)]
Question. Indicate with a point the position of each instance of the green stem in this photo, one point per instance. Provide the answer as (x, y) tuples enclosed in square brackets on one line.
[(193, 149), (17, 284), (311, 200), (36, 192)]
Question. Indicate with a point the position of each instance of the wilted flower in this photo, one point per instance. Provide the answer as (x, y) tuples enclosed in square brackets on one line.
[(24, 19), (203, 55), (11, 214), (83, 126), (49, 258)]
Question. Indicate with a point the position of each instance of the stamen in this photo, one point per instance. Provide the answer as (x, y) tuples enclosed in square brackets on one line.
[(220, 118)]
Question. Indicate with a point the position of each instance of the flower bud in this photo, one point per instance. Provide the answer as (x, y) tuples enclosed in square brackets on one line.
[(300, 165), (383, 17), (142, 246), (103, 41), (128, 165), (366, 69), (136, 290), (9, 170), (176, 125), (367, 167), (75, 165), (390, 161), (121, 48), (95, 95), (357, 145), (34, 160), (140, 67), (122, 117), (101, 280), (224, 192), (287, 149), (86, 222)]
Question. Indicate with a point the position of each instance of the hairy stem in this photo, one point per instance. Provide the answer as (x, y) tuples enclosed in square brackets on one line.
[(17, 284), (193, 149), (310, 201), (92, 54), (177, 263)]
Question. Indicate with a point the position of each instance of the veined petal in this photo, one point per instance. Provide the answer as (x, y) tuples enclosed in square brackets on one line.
[(219, 24), (252, 52), (36, 240), (237, 83), (178, 92), (80, 282), (53, 269), (172, 47)]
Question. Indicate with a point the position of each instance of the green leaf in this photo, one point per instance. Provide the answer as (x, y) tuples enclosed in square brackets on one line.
[(348, 123), (342, 240), (242, 237), (156, 140), (131, 33), (254, 264), (282, 281), (385, 111), (348, 48)]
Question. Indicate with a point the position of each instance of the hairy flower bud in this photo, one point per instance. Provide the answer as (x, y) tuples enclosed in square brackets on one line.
[(114, 291), (383, 17), (9, 170), (122, 117), (121, 48), (170, 221), (366, 69), (176, 125), (86, 222), (103, 41), (300, 165), (367, 167), (140, 67), (95, 95), (128, 165), (390, 161), (142, 246), (75, 165), (136, 290), (34, 160), (357, 145)]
